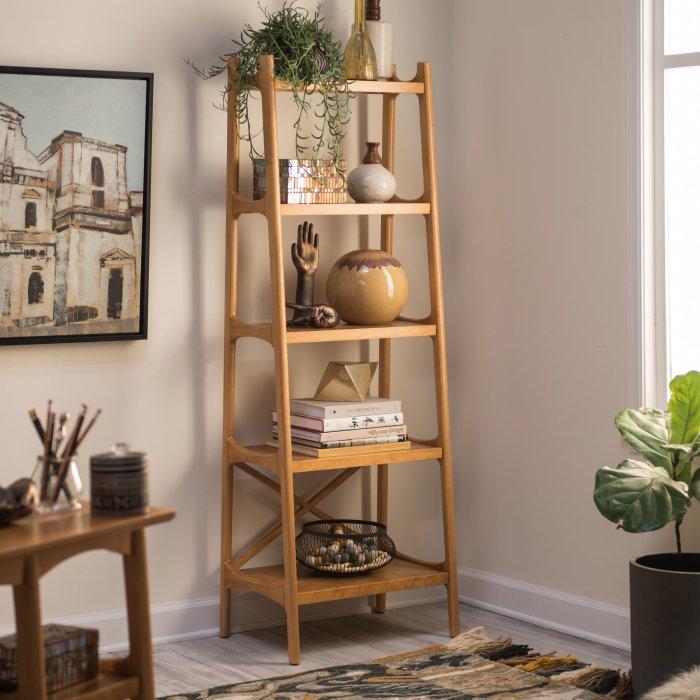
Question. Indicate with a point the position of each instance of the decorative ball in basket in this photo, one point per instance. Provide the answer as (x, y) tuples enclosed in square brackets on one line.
[(344, 547)]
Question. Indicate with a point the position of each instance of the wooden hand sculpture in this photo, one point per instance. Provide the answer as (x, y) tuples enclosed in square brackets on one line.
[(316, 316), (305, 257)]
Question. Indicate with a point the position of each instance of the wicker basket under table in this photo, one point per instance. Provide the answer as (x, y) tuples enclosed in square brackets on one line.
[(71, 657)]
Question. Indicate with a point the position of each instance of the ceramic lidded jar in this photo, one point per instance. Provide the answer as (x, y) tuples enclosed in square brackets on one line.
[(367, 287), (119, 482), (371, 181)]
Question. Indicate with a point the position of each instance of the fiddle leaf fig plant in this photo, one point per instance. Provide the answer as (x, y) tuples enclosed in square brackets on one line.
[(641, 496)]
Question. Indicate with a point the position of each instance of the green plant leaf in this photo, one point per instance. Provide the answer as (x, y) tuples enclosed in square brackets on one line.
[(682, 457), (695, 485), (684, 468), (681, 449), (306, 54), (646, 431), (684, 407), (639, 497)]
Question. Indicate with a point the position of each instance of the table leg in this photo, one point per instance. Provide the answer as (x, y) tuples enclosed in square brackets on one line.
[(140, 659), (30, 642)]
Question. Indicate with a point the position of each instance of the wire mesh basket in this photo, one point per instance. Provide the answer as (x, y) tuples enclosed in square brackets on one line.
[(344, 547)]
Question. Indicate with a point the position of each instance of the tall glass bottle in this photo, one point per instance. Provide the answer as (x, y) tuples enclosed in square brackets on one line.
[(360, 59)]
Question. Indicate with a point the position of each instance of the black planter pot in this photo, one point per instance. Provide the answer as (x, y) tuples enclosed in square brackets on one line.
[(665, 617)]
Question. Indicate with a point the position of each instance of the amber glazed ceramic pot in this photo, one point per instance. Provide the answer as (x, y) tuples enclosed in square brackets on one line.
[(367, 287)]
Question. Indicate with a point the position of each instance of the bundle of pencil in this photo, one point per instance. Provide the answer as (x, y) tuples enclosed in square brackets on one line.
[(55, 460)]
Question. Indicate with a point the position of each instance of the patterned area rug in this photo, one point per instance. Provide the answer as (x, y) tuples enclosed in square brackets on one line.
[(470, 666)]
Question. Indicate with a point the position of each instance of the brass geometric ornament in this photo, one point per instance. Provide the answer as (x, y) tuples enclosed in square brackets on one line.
[(346, 381)]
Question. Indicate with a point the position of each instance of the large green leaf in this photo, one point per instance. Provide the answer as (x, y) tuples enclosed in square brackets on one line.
[(695, 485), (646, 431), (638, 497), (684, 407)]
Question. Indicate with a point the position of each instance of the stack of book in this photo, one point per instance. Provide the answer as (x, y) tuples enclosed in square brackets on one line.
[(372, 425)]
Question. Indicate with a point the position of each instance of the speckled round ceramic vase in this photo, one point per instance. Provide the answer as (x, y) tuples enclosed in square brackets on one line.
[(371, 181), (367, 287)]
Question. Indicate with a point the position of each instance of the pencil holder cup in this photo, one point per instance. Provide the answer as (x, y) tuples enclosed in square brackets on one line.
[(69, 495)]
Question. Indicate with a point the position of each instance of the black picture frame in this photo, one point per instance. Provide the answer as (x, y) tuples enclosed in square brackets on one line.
[(142, 332)]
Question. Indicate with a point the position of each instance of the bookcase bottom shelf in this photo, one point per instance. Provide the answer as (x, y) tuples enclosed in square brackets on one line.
[(399, 575)]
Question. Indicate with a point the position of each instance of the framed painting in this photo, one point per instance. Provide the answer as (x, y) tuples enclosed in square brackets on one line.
[(75, 149)]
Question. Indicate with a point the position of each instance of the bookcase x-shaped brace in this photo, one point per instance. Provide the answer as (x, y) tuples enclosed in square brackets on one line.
[(285, 584)]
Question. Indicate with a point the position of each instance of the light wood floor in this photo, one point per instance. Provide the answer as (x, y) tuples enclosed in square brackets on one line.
[(203, 663)]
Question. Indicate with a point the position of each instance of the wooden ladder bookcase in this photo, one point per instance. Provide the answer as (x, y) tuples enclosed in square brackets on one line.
[(286, 584)]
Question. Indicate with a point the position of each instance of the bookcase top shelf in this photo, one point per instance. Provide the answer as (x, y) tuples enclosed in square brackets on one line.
[(368, 87), (354, 209), (248, 206)]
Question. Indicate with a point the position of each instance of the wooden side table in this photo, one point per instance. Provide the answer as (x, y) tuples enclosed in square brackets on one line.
[(31, 547)]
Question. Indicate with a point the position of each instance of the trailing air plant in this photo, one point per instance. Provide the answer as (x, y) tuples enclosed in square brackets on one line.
[(641, 496), (309, 60)]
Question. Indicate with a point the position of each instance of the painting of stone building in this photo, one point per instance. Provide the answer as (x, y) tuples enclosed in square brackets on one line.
[(72, 255)]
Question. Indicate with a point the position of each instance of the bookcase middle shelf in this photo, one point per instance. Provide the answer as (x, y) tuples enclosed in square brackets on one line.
[(266, 457), (343, 332)]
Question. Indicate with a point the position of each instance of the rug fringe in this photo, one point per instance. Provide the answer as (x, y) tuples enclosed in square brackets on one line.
[(512, 650), (519, 660), (547, 662), (475, 642), (607, 682), (564, 668), (623, 691)]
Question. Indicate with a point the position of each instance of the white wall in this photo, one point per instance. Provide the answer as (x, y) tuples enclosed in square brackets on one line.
[(537, 271), (164, 395)]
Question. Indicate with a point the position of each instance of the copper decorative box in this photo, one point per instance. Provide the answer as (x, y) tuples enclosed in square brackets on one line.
[(71, 657), (119, 482), (304, 181)]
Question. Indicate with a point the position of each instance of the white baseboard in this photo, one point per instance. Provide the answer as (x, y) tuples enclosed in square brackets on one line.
[(193, 619), (545, 607)]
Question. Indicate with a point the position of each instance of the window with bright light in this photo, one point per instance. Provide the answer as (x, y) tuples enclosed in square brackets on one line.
[(679, 72)]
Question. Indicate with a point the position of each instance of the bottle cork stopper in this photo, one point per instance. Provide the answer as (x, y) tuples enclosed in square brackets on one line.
[(373, 10)]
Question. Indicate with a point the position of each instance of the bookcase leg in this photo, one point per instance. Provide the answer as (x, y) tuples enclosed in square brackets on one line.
[(291, 604), (449, 537), (425, 102), (387, 244), (226, 547), (266, 79), (230, 308), (382, 513), (293, 647)]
